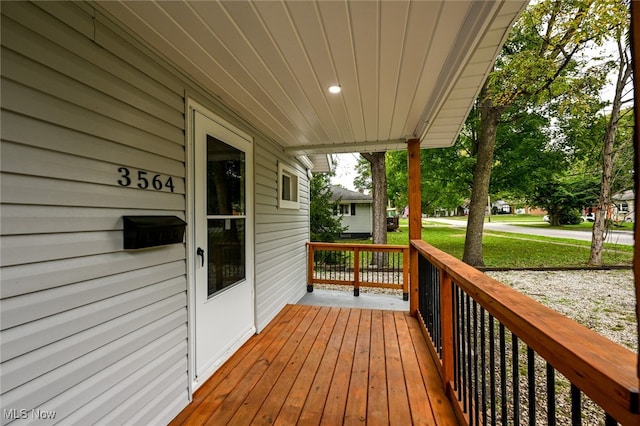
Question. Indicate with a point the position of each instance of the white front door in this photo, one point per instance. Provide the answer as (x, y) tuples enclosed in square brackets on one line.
[(223, 243)]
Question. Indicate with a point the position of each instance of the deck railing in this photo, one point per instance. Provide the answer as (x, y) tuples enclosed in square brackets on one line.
[(507, 359), (359, 265)]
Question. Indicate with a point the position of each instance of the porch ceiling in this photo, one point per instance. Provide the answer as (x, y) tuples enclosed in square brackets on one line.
[(408, 69)]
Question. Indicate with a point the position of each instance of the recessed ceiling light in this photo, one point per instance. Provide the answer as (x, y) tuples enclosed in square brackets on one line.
[(335, 89)]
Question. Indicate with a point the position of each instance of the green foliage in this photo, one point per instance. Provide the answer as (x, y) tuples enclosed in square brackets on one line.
[(522, 160), (523, 156), (563, 197), (570, 217), (330, 257), (542, 61), (362, 181), (445, 178), (623, 166), (397, 176), (325, 227)]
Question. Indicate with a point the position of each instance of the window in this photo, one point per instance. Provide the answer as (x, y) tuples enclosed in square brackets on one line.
[(288, 188), (344, 210)]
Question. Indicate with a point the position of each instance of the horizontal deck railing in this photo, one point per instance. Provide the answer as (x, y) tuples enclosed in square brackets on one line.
[(507, 359), (359, 265)]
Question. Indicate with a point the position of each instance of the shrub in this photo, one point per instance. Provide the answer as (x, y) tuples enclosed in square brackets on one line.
[(570, 217)]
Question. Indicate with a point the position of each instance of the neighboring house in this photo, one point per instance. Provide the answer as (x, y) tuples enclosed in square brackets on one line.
[(356, 210), (531, 210), (155, 169), (500, 207), (624, 206)]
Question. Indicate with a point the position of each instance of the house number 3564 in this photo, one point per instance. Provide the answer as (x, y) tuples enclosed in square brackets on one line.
[(144, 180)]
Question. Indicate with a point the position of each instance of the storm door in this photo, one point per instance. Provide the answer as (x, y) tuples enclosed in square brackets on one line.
[(224, 309)]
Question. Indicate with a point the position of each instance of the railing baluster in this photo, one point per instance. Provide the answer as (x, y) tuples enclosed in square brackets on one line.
[(437, 316), (483, 363), (503, 374), (457, 360), (446, 289), (469, 361), (492, 368), (356, 272), (463, 354), (515, 367), (476, 395), (551, 395), (459, 353), (531, 373), (576, 406)]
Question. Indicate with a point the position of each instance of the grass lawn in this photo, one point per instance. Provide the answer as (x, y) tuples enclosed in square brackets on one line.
[(507, 250), (514, 218), (536, 221)]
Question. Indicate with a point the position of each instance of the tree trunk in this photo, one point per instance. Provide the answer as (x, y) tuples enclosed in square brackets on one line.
[(635, 44), (489, 117), (379, 189), (604, 200)]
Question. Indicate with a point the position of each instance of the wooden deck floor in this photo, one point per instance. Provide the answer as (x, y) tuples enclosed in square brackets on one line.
[(324, 365)]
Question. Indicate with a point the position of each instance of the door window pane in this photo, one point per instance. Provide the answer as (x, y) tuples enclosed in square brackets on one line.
[(225, 179), (225, 198), (226, 258)]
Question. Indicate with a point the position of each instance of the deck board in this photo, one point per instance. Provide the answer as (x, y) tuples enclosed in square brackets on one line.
[(326, 365), (399, 412), (377, 412), (356, 411)]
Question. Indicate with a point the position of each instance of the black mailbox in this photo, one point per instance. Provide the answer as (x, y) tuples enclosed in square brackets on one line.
[(152, 231)]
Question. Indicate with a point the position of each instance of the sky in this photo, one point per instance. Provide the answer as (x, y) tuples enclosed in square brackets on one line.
[(346, 170)]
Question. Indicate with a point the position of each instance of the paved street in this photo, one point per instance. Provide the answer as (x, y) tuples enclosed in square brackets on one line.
[(614, 237)]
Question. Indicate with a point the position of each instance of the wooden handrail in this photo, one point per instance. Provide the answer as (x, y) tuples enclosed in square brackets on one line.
[(602, 369), (349, 246)]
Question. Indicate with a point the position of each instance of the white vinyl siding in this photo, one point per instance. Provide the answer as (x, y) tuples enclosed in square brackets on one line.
[(281, 236), (362, 221), (87, 329)]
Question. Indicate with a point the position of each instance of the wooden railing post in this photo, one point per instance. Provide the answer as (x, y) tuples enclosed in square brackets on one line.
[(311, 256), (356, 271), (405, 274), (415, 219), (446, 324)]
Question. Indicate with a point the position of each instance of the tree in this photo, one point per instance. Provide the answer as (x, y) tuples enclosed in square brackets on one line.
[(523, 158), (324, 225), (445, 178), (397, 178), (379, 193), (564, 197), (362, 181), (608, 157), (539, 63)]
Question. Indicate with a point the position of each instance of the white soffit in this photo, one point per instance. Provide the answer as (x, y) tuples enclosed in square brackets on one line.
[(407, 69)]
